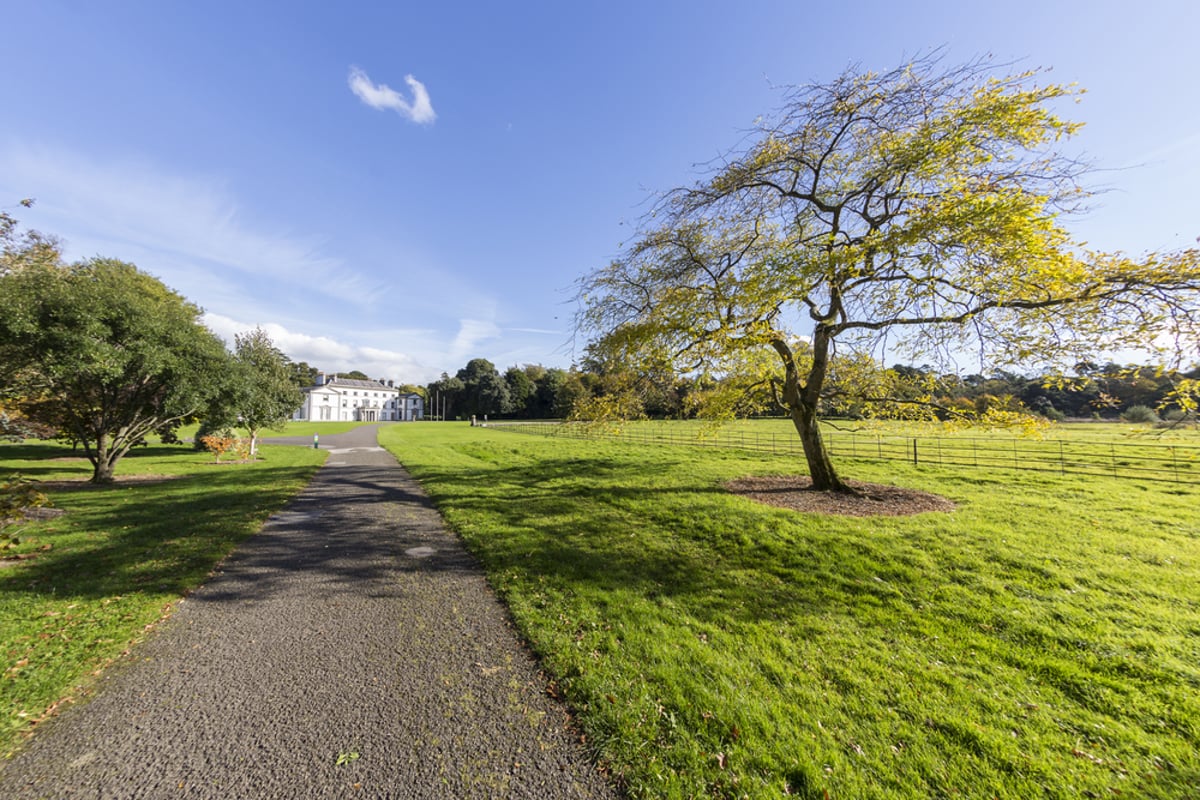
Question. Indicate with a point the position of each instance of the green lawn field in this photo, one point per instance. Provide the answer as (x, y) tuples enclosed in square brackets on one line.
[(295, 428), (1042, 640)]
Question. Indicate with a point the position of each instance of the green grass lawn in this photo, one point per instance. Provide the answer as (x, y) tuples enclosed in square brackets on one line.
[(301, 428), (1139, 452), (118, 559), (1041, 641)]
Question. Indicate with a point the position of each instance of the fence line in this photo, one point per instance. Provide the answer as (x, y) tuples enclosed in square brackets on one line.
[(1145, 461)]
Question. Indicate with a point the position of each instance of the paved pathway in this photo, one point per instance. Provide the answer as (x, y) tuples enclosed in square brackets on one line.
[(353, 628)]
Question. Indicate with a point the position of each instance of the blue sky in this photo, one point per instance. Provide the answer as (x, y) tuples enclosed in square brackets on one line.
[(249, 155)]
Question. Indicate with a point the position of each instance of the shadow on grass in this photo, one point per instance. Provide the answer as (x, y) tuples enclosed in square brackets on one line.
[(56, 459), (603, 524), (140, 536), (347, 532)]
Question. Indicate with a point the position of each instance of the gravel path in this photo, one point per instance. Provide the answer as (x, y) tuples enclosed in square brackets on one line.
[(353, 628)]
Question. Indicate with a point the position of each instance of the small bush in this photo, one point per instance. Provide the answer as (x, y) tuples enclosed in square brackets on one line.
[(218, 444), (1141, 415), (1053, 414), (17, 495), (241, 447), (1177, 418), (208, 429)]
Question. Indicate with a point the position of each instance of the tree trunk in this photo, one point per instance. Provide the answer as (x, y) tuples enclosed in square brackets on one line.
[(801, 401), (103, 461), (820, 467), (103, 472)]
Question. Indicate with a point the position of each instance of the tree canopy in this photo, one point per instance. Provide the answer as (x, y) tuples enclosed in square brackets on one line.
[(915, 212), (260, 390), (103, 352)]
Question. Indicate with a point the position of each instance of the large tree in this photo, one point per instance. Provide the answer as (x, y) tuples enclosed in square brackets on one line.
[(260, 391), (484, 390), (917, 211), (521, 391), (103, 353)]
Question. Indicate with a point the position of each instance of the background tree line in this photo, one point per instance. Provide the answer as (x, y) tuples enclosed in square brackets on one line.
[(532, 391)]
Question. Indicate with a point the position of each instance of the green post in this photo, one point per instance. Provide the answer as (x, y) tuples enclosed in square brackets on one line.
[(316, 441)]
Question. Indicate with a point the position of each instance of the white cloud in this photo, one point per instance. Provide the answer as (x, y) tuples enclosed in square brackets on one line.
[(332, 355), (381, 96)]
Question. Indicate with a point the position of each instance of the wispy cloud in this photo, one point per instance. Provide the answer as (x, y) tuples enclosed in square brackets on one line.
[(1185, 145), (381, 97), (542, 331), (186, 229), (471, 333)]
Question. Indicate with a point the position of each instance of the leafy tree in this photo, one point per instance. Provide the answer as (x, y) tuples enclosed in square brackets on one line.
[(917, 209), (104, 353), (444, 396), (558, 390), (355, 375), (15, 426), (302, 374), (19, 249), (521, 390), (260, 391), (484, 391)]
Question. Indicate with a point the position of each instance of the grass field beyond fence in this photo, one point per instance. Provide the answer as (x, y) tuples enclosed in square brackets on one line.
[(1118, 451), (1043, 640)]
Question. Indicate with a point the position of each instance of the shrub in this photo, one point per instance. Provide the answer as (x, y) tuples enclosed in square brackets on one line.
[(1142, 415), (17, 495), (1051, 413), (218, 444), (241, 447), (206, 430)]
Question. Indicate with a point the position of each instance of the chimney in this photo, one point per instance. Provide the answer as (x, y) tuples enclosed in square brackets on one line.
[(320, 379)]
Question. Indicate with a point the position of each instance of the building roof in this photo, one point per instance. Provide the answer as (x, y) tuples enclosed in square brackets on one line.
[(357, 384), (343, 384)]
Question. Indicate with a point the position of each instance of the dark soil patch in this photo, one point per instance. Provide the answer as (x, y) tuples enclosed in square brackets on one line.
[(875, 499), (85, 482)]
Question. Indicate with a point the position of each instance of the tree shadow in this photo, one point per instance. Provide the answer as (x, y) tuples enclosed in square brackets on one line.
[(147, 536), (350, 532), (685, 543)]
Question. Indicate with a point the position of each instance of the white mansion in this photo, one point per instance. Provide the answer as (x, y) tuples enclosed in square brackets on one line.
[(348, 400)]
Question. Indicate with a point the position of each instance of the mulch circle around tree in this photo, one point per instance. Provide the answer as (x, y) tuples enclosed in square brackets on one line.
[(875, 500), (83, 482)]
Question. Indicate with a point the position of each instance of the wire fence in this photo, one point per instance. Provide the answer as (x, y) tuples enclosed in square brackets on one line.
[(1178, 463)]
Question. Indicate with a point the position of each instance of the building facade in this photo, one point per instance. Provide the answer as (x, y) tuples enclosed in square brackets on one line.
[(348, 400)]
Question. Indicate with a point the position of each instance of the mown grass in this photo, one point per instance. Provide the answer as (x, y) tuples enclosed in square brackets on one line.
[(294, 428), (1041, 641), (1136, 452), (118, 559)]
